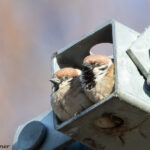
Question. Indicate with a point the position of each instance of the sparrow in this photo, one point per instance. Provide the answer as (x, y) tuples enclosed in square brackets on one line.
[(68, 97), (97, 77)]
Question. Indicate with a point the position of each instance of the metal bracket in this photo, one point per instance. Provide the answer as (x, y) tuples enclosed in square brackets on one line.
[(130, 101), (40, 134), (139, 51)]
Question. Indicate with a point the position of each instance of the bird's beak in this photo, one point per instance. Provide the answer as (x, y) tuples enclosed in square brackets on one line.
[(55, 80), (87, 66)]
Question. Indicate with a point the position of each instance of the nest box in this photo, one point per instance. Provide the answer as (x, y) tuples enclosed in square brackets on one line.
[(129, 102)]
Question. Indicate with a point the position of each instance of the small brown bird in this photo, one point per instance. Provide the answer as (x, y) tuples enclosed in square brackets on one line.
[(68, 97), (97, 77)]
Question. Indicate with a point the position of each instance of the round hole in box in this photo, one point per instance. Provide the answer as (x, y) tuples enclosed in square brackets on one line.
[(102, 48), (109, 121)]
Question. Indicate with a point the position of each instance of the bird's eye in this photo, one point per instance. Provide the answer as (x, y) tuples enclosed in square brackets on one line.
[(103, 67), (97, 64), (66, 78)]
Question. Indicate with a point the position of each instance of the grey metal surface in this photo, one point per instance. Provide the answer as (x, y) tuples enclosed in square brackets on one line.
[(52, 141), (139, 49), (129, 82), (130, 100), (148, 80)]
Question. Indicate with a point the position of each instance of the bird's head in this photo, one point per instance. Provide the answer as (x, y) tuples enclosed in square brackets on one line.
[(98, 64), (64, 77)]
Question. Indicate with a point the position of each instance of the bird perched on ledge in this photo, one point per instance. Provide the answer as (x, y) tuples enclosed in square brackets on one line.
[(97, 77), (68, 97)]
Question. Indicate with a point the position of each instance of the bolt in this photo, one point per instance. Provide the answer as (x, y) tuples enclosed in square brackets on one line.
[(32, 136)]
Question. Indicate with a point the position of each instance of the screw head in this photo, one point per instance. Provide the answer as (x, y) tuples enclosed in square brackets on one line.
[(32, 136)]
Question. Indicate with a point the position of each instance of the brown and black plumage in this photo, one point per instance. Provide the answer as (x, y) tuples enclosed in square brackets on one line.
[(97, 77), (68, 98)]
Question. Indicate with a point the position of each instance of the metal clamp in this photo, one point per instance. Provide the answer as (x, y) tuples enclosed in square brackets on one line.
[(128, 103), (139, 53)]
